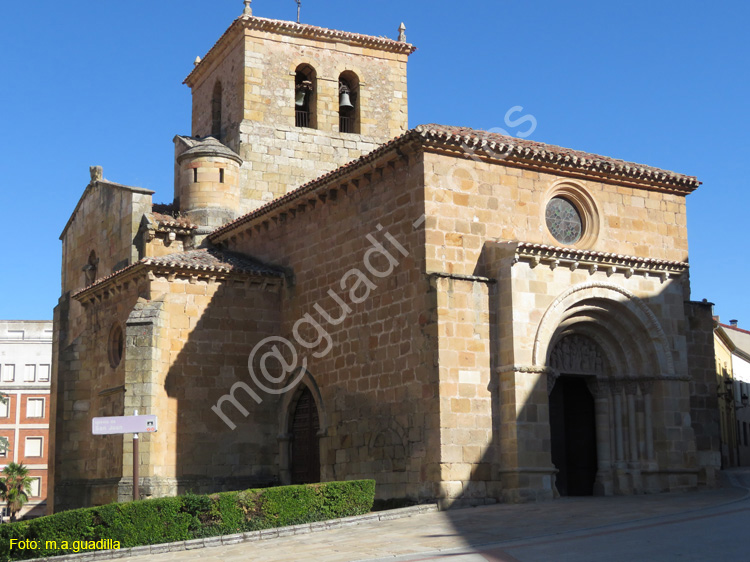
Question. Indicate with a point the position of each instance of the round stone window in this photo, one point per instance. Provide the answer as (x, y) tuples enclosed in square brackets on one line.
[(564, 221), (115, 345)]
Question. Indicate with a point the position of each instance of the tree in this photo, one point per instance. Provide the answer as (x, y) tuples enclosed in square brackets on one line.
[(15, 487)]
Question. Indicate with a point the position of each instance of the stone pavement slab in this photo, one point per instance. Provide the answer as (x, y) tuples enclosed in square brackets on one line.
[(456, 529)]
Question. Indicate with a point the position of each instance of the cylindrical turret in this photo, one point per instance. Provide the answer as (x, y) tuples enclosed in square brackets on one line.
[(207, 189)]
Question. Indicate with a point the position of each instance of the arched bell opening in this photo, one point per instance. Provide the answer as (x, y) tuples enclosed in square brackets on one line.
[(305, 98), (349, 103)]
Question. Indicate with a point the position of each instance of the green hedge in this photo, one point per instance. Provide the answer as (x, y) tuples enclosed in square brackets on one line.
[(186, 517)]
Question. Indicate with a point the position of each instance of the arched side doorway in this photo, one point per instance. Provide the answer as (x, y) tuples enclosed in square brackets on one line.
[(305, 446), (302, 427)]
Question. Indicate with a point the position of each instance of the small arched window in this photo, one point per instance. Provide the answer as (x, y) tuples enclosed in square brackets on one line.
[(91, 268), (348, 102), (305, 114), (216, 111)]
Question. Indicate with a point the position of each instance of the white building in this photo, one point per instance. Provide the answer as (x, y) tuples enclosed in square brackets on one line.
[(25, 370), (737, 341)]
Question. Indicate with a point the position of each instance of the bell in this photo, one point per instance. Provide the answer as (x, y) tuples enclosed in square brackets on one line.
[(300, 101), (344, 101)]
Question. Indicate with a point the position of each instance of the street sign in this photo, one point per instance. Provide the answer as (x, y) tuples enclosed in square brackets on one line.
[(114, 425)]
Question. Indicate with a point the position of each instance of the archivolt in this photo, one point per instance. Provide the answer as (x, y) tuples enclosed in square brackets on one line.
[(289, 401), (625, 323)]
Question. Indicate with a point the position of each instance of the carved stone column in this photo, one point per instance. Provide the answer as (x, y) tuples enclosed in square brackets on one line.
[(617, 393), (631, 390), (646, 390), (603, 486)]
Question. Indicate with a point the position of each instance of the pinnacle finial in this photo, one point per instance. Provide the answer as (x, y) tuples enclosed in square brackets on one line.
[(402, 32), (248, 11), (197, 61)]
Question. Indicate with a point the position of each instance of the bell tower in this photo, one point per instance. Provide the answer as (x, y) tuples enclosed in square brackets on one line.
[(296, 101)]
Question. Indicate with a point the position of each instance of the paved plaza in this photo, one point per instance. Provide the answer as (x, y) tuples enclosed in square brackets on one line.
[(700, 525)]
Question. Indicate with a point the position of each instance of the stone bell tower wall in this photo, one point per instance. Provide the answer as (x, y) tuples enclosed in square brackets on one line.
[(256, 62)]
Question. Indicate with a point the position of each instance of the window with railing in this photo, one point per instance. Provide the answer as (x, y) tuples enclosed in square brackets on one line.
[(304, 97), (302, 118), (348, 102)]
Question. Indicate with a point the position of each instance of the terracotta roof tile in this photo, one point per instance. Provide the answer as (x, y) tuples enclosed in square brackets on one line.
[(168, 221), (203, 260), (212, 259), (500, 147)]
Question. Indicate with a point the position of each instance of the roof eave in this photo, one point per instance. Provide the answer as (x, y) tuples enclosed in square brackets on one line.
[(293, 28), (145, 266)]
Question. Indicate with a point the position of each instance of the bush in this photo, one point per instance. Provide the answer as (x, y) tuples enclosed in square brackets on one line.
[(187, 517)]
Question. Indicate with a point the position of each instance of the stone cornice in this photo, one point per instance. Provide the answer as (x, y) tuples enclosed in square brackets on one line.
[(146, 270), (293, 29), (610, 263), (440, 137), (493, 147)]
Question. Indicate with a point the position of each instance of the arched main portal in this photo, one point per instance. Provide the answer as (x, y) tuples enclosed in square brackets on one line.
[(605, 354), (305, 453)]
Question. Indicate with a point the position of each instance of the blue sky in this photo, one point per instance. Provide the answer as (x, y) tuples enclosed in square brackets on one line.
[(100, 83)]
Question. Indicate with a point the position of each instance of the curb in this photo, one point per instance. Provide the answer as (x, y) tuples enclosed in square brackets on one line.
[(252, 536)]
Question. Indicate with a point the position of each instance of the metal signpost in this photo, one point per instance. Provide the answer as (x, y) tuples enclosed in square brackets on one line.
[(117, 425)]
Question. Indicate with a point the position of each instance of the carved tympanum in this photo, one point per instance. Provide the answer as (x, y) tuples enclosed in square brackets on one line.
[(577, 354)]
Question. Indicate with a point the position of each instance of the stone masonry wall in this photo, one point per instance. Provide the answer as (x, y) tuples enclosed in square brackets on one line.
[(88, 468), (379, 380), (468, 399), (209, 329), (704, 403), (471, 202), (228, 69), (107, 221), (187, 341), (277, 155)]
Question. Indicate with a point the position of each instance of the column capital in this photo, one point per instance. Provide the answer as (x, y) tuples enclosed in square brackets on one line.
[(631, 387), (647, 386), (599, 388)]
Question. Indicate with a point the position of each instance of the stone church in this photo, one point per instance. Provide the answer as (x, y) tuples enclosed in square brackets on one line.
[(463, 316)]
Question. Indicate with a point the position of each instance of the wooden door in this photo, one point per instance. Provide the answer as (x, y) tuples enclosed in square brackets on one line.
[(305, 444), (573, 432)]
